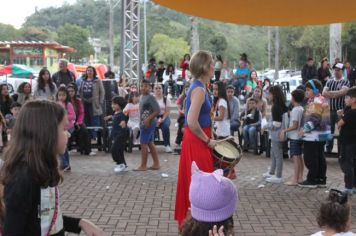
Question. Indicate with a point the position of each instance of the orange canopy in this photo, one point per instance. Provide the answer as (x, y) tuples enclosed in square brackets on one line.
[(268, 12)]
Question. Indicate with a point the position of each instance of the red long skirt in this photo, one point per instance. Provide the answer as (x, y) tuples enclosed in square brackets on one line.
[(193, 149)]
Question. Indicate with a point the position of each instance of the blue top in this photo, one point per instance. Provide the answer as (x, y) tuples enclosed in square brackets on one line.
[(204, 118), (242, 71)]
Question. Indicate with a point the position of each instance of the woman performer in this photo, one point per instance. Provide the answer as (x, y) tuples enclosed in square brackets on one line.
[(196, 144)]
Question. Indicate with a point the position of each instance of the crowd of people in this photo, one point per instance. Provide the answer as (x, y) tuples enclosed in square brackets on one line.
[(206, 95)]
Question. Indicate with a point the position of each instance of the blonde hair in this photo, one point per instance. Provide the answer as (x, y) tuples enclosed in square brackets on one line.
[(200, 64)]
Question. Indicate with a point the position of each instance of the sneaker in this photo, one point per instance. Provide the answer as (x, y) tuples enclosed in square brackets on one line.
[(119, 168), (274, 179), (348, 191), (307, 184), (267, 175), (168, 149), (67, 169), (321, 183)]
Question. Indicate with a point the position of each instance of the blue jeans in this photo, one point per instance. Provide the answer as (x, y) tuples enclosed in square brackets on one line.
[(239, 85), (164, 126), (333, 121), (65, 162), (174, 87), (250, 135)]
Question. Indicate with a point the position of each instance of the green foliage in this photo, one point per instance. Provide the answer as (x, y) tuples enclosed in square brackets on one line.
[(8, 33), (168, 49), (76, 37), (31, 33)]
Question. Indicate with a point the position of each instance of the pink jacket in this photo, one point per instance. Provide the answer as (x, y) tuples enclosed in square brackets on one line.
[(70, 115), (80, 112)]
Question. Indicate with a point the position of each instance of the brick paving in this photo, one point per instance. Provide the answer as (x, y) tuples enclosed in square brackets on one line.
[(142, 203)]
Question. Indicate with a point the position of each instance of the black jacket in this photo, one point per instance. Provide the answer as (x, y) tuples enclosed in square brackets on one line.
[(22, 201), (309, 72), (63, 78)]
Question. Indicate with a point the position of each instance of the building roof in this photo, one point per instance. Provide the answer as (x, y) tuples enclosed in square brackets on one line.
[(6, 45)]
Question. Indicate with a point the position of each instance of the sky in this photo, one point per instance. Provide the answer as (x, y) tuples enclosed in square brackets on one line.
[(14, 12)]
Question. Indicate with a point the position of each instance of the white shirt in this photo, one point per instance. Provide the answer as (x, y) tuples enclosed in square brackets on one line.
[(295, 115), (133, 111), (162, 106), (321, 233), (166, 77), (223, 127)]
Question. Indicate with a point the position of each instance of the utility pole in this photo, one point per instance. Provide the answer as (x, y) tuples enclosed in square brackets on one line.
[(335, 42), (112, 6), (194, 34), (276, 56), (269, 34), (145, 30)]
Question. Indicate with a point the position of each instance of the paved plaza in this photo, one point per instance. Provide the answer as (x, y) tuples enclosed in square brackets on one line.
[(142, 203)]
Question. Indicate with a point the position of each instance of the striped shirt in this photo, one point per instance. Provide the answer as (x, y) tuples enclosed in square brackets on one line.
[(335, 85)]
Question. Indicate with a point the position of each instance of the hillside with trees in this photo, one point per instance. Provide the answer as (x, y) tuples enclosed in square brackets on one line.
[(168, 34)]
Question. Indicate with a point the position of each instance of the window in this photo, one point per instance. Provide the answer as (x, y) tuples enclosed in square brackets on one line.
[(36, 61), (21, 61)]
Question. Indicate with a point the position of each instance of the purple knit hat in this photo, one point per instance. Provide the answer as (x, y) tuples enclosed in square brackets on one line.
[(213, 197)]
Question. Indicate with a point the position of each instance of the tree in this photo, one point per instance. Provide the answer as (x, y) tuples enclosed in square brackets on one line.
[(76, 37), (9, 33), (170, 50), (218, 44), (32, 33)]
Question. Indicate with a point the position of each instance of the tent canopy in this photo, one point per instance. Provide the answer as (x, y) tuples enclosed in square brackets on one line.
[(17, 70), (267, 12)]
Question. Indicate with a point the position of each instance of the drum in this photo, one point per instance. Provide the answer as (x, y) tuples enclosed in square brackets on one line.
[(227, 153)]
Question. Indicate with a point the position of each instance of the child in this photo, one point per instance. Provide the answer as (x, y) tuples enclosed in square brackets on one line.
[(348, 139), (118, 133), (221, 110), (181, 116), (213, 200), (64, 100), (149, 110), (81, 133), (251, 120), (10, 119), (31, 177), (279, 112), (315, 132), (335, 215), (292, 131), (132, 110)]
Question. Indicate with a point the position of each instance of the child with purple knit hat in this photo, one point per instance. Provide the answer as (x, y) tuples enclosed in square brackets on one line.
[(213, 200)]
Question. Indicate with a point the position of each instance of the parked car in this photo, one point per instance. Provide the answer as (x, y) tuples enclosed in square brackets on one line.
[(289, 84)]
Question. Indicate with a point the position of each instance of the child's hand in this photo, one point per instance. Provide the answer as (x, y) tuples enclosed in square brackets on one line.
[(282, 135), (216, 232), (90, 229), (301, 133), (146, 123), (106, 118)]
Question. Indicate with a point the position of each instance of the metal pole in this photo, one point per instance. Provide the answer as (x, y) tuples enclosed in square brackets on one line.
[(145, 29), (122, 41), (111, 33)]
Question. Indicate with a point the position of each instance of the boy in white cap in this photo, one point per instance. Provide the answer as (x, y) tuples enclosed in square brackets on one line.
[(213, 200)]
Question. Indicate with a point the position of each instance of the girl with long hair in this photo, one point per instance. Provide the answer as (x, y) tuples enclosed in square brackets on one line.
[(81, 133), (46, 88), (5, 99), (132, 110), (221, 108), (64, 100), (31, 176), (24, 93)]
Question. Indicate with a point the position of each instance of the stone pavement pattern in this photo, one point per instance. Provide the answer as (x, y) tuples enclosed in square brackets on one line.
[(142, 203)]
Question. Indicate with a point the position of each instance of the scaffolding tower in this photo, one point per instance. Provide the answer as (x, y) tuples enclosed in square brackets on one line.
[(130, 40)]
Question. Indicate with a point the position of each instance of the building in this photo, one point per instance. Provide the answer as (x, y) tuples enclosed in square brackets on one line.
[(35, 54)]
